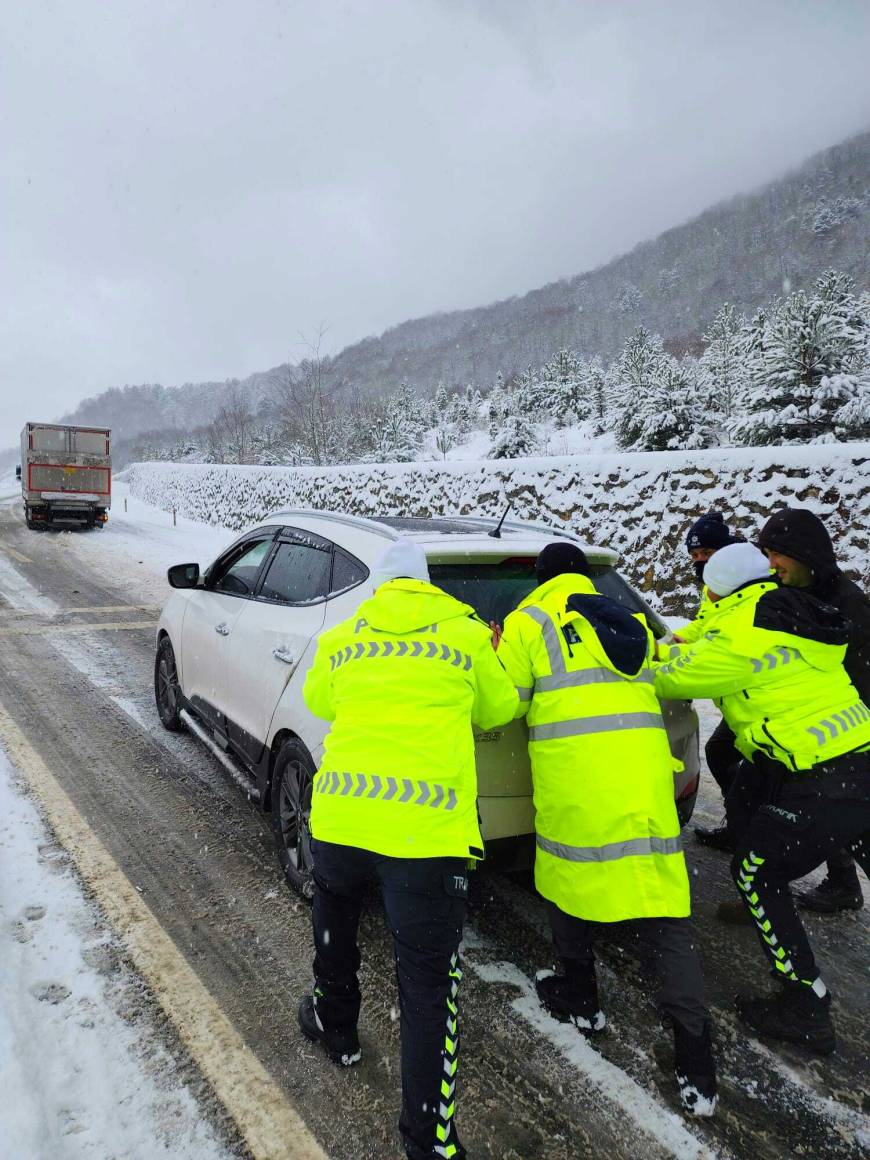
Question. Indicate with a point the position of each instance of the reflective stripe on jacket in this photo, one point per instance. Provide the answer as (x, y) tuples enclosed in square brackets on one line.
[(781, 692), (402, 682), (696, 628), (608, 836)]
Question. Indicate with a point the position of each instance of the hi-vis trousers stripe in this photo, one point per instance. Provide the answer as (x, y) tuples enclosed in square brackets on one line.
[(444, 1133), (372, 785), (604, 723), (611, 851)]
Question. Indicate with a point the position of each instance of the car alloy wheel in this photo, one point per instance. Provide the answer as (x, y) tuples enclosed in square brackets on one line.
[(291, 813), (167, 691)]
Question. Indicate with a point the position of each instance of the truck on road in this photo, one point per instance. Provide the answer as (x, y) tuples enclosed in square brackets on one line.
[(66, 474)]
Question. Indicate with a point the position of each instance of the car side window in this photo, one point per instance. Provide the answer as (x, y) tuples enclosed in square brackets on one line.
[(347, 572), (239, 576), (297, 574)]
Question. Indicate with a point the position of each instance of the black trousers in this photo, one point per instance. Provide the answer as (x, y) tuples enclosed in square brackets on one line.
[(745, 791), (722, 756), (804, 820), (675, 958), (425, 901)]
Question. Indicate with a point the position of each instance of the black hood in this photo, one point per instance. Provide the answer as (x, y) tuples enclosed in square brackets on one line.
[(795, 611), (800, 534), (622, 636)]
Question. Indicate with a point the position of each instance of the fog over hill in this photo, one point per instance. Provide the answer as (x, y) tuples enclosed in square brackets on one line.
[(745, 251)]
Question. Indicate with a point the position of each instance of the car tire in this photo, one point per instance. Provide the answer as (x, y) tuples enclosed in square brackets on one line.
[(292, 784), (167, 690)]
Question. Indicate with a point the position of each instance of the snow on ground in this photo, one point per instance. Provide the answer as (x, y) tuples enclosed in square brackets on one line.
[(84, 1071), (139, 543), (552, 440)]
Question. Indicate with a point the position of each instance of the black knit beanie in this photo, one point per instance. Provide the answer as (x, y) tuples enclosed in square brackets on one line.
[(710, 531), (558, 558)]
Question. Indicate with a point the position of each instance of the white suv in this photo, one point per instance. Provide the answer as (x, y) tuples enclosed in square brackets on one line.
[(233, 647)]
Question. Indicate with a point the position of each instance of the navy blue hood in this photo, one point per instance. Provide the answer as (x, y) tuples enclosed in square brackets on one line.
[(622, 636)]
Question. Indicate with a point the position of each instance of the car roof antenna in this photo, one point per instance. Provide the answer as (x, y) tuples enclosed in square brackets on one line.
[(496, 532)]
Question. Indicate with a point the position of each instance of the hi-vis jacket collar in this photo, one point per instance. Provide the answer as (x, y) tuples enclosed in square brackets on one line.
[(402, 606)]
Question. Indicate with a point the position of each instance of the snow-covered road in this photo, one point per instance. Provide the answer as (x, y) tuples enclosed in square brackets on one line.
[(181, 831), (85, 1072)]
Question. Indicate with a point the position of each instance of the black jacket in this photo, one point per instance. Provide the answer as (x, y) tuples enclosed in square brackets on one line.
[(800, 534)]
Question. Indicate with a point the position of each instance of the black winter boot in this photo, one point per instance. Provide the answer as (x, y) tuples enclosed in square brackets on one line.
[(695, 1069), (717, 837), (342, 1047), (572, 997), (794, 1013), (835, 893)]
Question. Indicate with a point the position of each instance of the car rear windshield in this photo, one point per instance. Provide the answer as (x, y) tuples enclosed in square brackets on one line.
[(494, 590)]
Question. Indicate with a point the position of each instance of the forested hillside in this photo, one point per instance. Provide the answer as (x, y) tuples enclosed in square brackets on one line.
[(746, 253), (740, 252)]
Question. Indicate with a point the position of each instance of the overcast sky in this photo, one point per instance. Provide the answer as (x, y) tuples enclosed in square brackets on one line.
[(187, 186)]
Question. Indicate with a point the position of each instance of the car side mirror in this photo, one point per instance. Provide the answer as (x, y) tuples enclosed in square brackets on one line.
[(18, 471), (183, 575)]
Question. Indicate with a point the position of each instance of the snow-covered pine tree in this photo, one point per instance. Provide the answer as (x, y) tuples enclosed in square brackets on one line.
[(595, 391), (723, 363), (639, 366), (442, 400), (530, 394), (497, 405), (514, 440), (408, 402), (853, 418), (796, 384), (561, 389), (458, 414), (671, 414), (397, 434)]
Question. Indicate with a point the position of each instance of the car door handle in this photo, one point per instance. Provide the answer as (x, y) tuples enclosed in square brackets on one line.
[(283, 654), (223, 629)]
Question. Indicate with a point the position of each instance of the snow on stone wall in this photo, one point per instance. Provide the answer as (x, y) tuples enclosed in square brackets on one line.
[(641, 504)]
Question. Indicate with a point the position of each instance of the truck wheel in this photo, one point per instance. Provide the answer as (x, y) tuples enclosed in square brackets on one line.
[(292, 784), (167, 691)]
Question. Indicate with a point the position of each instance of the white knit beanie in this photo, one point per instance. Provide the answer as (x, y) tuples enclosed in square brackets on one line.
[(733, 566), (402, 558)]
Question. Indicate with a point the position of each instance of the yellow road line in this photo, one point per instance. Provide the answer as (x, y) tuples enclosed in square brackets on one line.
[(53, 629), (16, 555), (77, 611), (270, 1126)]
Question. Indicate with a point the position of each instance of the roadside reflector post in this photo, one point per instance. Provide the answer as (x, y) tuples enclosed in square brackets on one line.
[(125, 503), (173, 517)]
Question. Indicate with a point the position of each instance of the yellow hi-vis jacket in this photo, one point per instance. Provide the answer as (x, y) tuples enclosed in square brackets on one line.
[(696, 628), (773, 662), (607, 832), (402, 682)]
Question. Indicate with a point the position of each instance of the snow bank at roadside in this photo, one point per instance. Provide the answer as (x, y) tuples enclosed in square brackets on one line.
[(641, 504), (84, 1074), (139, 543)]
